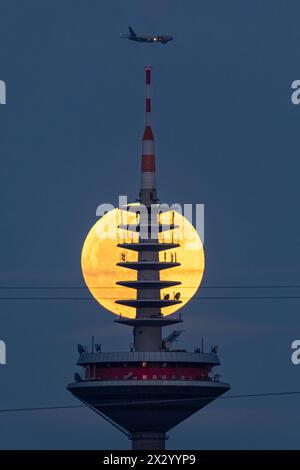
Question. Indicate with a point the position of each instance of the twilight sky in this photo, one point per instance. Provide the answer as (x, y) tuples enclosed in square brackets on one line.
[(227, 135)]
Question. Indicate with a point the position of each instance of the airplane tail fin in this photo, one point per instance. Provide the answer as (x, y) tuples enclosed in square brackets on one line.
[(132, 33)]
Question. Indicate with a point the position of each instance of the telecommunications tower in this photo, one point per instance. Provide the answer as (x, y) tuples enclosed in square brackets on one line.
[(149, 389)]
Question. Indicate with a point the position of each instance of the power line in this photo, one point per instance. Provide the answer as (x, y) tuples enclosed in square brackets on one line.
[(196, 297), (63, 407), (241, 297), (250, 286), (40, 408)]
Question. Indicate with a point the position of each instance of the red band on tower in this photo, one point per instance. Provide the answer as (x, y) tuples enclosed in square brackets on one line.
[(148, 163), (148, 105), (148, 134), (148, 75)]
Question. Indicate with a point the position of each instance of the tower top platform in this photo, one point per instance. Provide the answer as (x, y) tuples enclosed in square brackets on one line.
[(144, 356)]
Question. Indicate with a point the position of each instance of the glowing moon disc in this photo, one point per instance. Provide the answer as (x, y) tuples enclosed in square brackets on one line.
[(100, 256)]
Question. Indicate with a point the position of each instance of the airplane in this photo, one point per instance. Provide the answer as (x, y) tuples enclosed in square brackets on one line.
[(157, 38)]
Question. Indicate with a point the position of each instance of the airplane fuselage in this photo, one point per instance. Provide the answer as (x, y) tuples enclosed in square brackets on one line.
[(149, 39)]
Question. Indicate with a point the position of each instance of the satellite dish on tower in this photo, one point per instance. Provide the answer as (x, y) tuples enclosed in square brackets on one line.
[(167, 345), (81, 349)]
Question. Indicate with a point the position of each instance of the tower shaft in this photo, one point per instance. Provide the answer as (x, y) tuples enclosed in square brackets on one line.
[(148, 177), (146, 339), (148, 440)]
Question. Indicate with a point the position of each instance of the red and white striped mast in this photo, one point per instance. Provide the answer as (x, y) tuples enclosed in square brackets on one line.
[(148, 179)]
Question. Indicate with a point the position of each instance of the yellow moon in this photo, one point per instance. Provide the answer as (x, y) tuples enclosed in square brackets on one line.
[(100, 256)]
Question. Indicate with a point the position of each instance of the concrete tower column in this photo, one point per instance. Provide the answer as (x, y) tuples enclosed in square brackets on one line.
[(148, 441)]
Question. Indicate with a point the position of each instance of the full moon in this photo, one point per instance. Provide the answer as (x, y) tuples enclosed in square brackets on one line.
[(100, 255)]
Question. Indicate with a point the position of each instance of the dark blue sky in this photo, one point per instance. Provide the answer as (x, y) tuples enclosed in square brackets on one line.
[(227, 136)]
